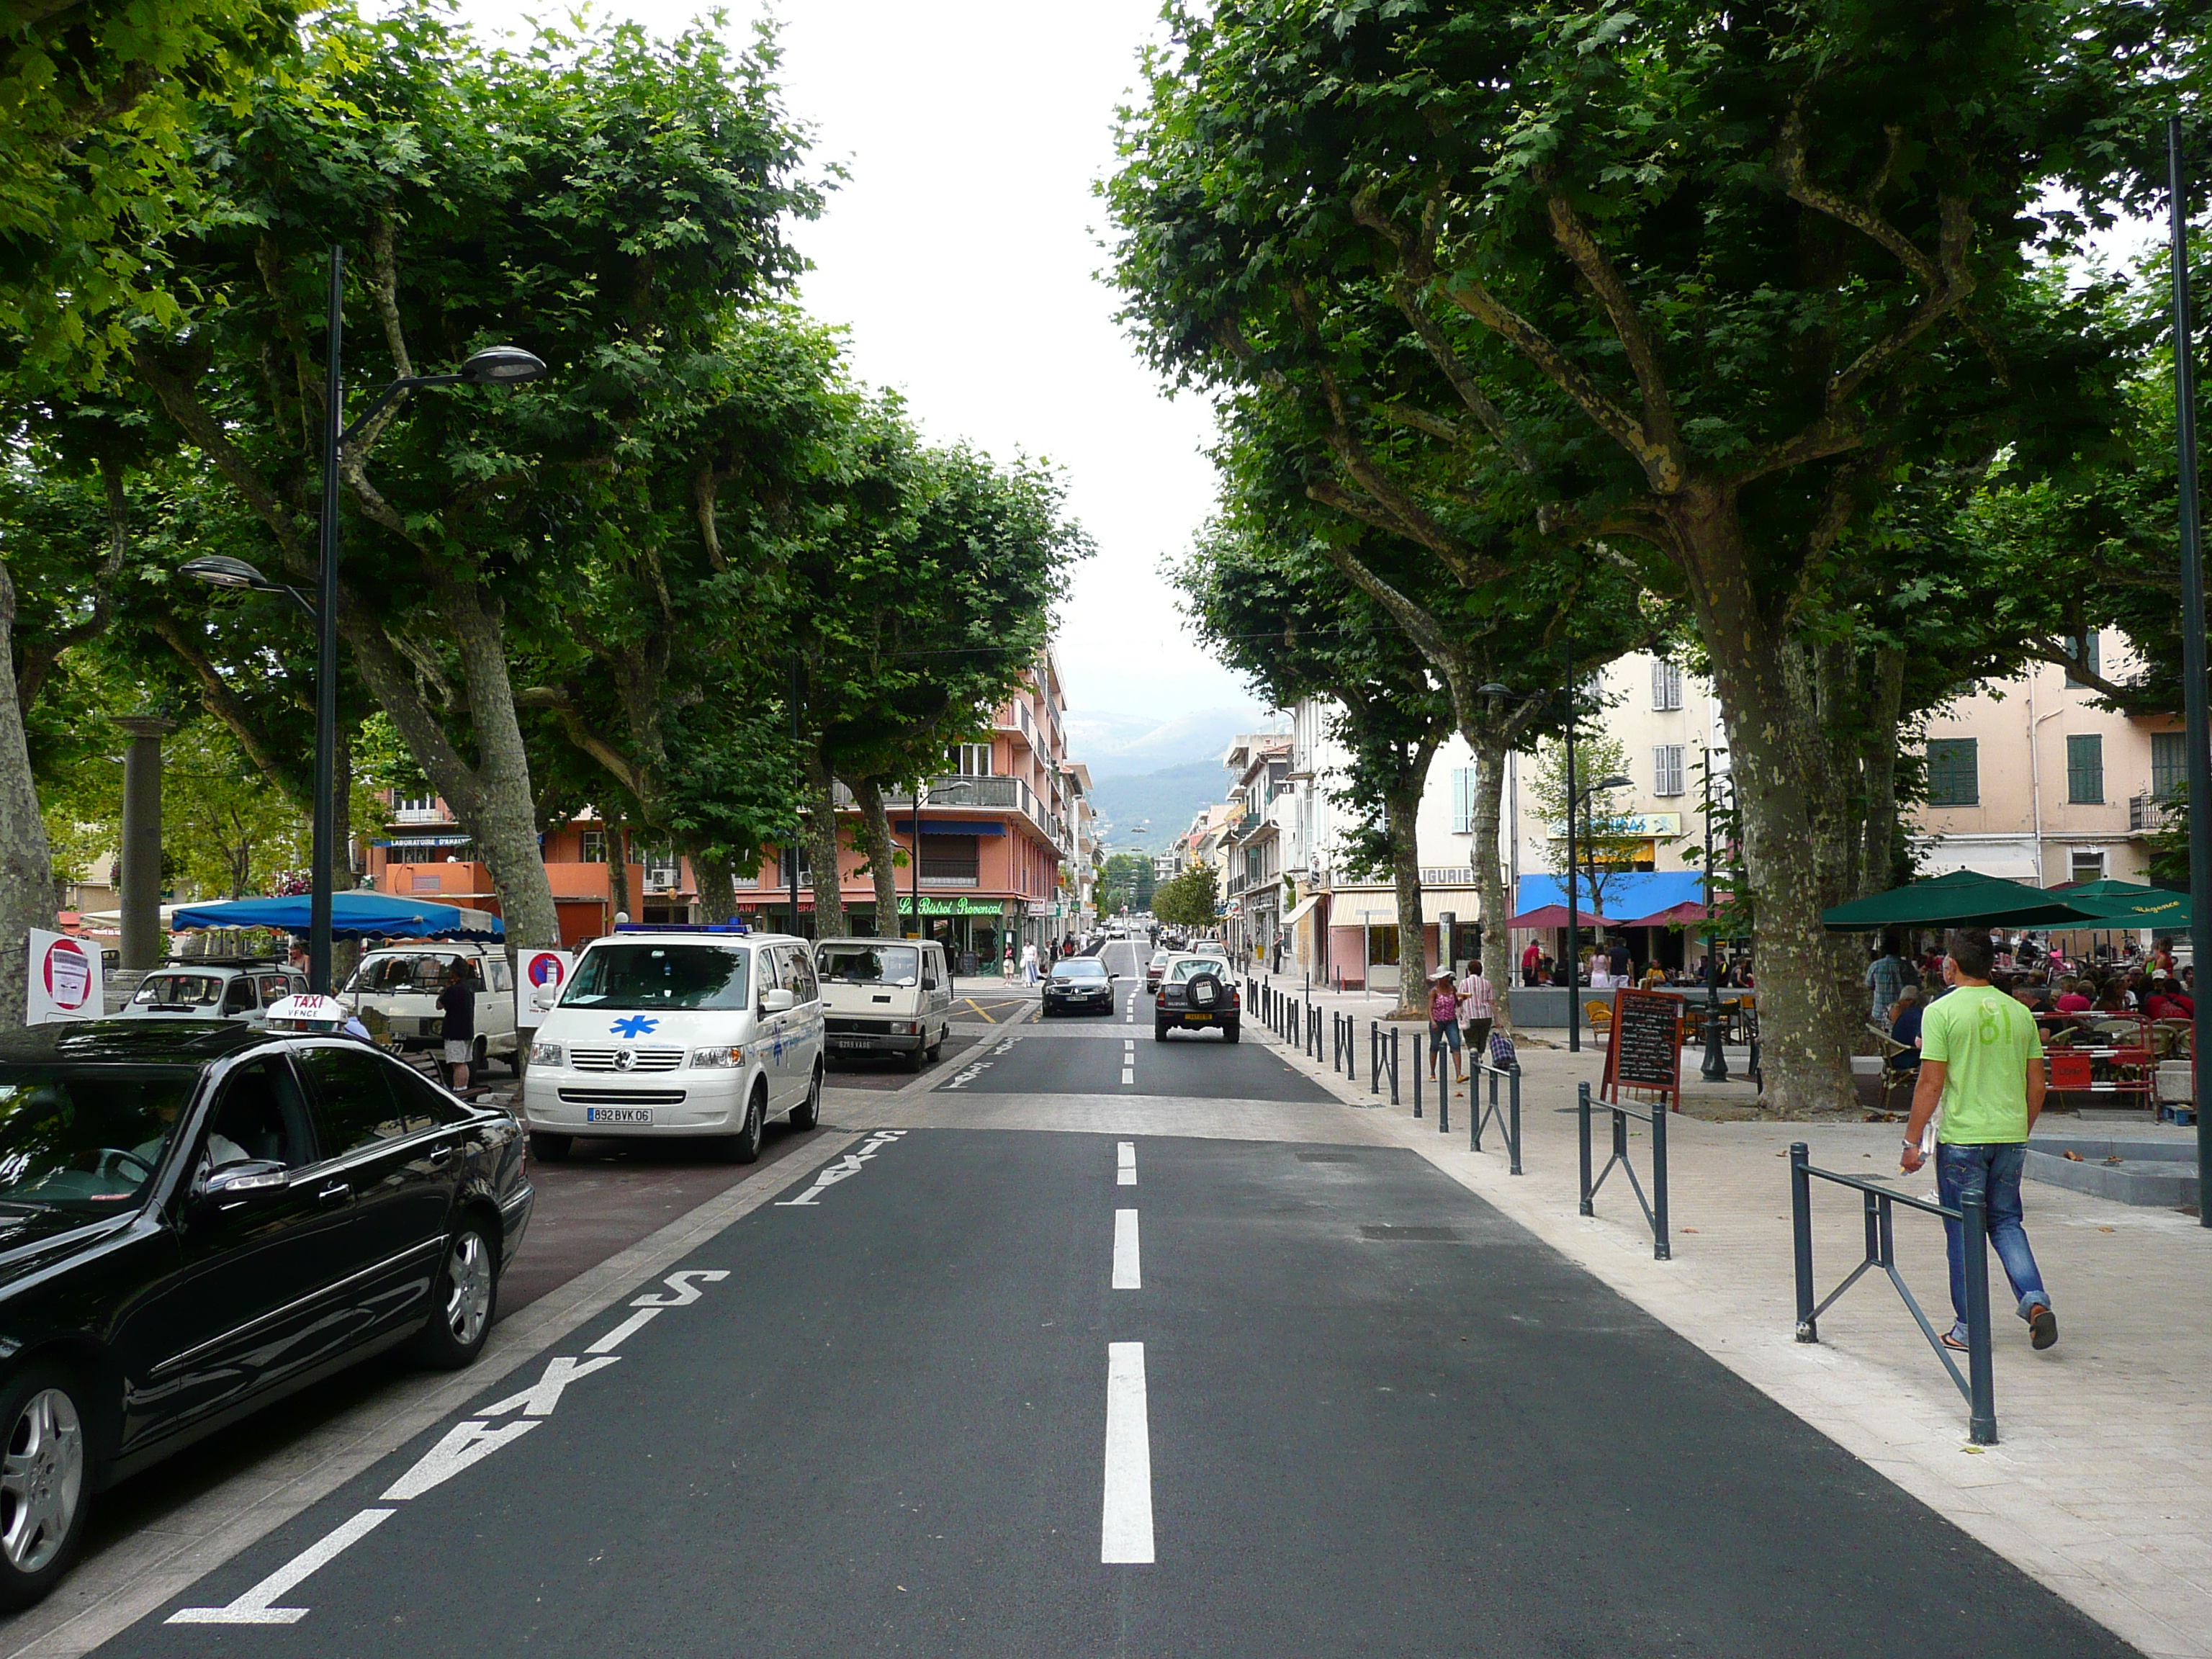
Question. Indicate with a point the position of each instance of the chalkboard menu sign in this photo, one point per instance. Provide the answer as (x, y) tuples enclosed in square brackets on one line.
[(1646, 1051)]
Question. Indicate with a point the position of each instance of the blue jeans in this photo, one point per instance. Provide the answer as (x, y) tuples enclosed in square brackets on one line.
[(1994, 1172)]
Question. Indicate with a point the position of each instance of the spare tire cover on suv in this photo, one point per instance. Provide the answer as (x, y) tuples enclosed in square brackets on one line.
[(1203, 991)]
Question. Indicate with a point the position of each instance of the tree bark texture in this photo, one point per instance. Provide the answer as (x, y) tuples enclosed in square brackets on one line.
[(1401, 806), (718, 889), (822, 843), (618, 871), (1489, 878), (882, 854), (26, 870)]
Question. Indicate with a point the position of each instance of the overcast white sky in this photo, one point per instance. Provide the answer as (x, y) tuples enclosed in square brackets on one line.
[(961, 254)]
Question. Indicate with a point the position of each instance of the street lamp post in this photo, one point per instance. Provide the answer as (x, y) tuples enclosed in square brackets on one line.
[(1578, 799), (493, 365), (2195, 717)]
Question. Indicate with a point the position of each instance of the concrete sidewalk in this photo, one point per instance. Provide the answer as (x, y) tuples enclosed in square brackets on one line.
[(2101, 1486)]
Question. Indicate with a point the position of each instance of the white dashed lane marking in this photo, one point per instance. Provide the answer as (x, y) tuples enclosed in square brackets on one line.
[(1126, 1274), (1125, 1164), (1126, 1530)]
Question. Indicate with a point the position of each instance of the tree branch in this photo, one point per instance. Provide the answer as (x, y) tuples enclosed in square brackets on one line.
[(175, 395), (1589, 262)]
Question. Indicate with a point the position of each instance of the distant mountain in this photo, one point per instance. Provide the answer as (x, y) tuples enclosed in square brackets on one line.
[(1122, 745), (1168, 800)]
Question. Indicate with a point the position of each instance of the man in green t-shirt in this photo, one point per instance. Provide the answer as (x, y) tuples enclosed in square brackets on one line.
[(1981, 1059)]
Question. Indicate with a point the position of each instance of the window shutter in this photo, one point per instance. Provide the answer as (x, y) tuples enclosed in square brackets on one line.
[(1463, 800)]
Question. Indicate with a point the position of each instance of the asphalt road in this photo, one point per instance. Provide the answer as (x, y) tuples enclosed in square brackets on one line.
[(1038, 1393)]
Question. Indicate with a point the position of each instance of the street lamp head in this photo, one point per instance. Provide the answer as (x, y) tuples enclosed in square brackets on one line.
[(1616, 782), (1493, 690), (220, 570), (504, 365)]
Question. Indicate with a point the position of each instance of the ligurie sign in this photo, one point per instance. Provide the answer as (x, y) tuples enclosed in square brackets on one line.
[(1646, 1049)]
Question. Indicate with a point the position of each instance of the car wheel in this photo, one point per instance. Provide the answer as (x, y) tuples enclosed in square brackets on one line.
[(1229, 1032), (464, 1299), (937, 1049), (808, 1112), (548, 1148), (44, 1493), (1159, 1032), (744, 1147)]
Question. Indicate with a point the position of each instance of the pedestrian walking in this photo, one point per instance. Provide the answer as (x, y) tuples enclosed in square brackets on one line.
[(1478, 1008), (458, 1003), (1444, 1024), (1885, 978), (1030, 962), (1981, 1062), (1006, 968)]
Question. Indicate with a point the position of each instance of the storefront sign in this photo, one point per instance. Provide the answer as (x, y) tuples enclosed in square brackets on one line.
[(65, 980)]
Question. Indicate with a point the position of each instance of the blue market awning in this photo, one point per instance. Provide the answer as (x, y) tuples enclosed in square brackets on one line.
[(353, 915), (949, 826), (1627, 892)]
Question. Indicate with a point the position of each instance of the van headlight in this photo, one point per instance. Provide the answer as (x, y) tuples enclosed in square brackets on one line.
[(546, 1054), (721, 1057)]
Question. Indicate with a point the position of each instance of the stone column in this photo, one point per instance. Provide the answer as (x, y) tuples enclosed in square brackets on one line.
[(142, 840)]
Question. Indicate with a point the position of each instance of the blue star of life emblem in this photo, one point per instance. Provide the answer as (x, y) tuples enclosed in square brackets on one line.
[(635, 1026)]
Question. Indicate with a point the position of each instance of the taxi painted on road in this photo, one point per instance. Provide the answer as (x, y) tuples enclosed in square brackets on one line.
[(679, 1032)]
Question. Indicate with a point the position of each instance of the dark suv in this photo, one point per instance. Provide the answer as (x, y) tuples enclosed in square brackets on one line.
[(1197, 993), (197, 1219)]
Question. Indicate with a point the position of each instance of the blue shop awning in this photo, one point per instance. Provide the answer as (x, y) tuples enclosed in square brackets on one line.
[(949, 826), (1627, 892)]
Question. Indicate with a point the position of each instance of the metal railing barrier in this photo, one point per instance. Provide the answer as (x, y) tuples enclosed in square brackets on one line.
[(1374, 1057), (1655, 1205), (1509, 1120), (1978, 1385), (1390, 1052)]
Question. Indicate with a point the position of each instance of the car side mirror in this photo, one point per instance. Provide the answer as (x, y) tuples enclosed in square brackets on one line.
[(778, 1001), (234, 1184), (542, 1000)]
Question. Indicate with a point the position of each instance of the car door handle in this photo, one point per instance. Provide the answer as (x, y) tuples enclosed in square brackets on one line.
[(341, 1192), (441, 1154)]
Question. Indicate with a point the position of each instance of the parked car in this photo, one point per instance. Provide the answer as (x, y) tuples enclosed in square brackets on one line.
[(239, 989), (885, 997), (401, 983), (661, 1031), (1078, 985), (197, 1219), (1198, 993), (1155, 966)]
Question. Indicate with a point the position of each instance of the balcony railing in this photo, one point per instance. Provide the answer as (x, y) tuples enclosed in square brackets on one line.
[(928, 880), (2150, 814), (420, 815)]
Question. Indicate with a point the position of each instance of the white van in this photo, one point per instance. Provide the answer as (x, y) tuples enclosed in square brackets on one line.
[(402, 983), (676, 1030), (882, 996)]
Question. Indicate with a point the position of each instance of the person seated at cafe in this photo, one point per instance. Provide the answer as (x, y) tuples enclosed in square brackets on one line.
[(2072, 1000), (1654, 977), (2167, 1001), (1905, 1027)]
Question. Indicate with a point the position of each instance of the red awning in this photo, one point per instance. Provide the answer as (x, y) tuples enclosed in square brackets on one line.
[(1555, 915), (1688, 911)]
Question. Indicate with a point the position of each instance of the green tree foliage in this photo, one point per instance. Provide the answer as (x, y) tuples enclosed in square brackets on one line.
[(1189, 900), (1692, 282), (1126, 884)]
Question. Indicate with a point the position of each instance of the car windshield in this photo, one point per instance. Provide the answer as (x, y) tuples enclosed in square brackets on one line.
[(1159, 958), (660, 976), (86, 1137), (869, 964), (416, 971), (1079, 968), (182, 991), (1191, 967)]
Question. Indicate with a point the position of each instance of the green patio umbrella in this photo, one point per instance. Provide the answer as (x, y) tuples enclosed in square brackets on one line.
[(2130, 905), (1963, 896)]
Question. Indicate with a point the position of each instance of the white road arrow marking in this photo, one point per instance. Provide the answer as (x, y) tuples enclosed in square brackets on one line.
[(685, 1292), (543, 1398), (253, 1607), (622, 1333), (464, 1444)]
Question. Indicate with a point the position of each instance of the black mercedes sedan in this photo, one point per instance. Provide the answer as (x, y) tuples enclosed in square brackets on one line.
[(1078, 985), (197, 1219)]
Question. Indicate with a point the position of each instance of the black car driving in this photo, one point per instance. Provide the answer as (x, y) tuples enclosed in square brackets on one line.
[(1079, 985), (197, 1219)]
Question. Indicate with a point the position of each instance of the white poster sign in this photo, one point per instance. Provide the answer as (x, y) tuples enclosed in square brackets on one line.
[(539, 975), (65, 979)]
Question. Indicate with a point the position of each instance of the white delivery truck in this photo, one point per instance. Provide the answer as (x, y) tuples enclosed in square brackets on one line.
[(883, 996)]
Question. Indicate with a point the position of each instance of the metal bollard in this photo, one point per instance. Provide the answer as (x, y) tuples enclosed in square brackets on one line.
[(1982, 1395), (1394, 1065), (1475, 1112), (1801, 1240), (1443, 1098), (1582, 1126), (1662, 1240), (1513, 1120), (1374, 1058), (1417, 1072)]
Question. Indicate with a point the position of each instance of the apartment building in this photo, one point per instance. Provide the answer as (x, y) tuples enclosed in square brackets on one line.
[(2030, 780), (990, 852), (1251, 844)]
